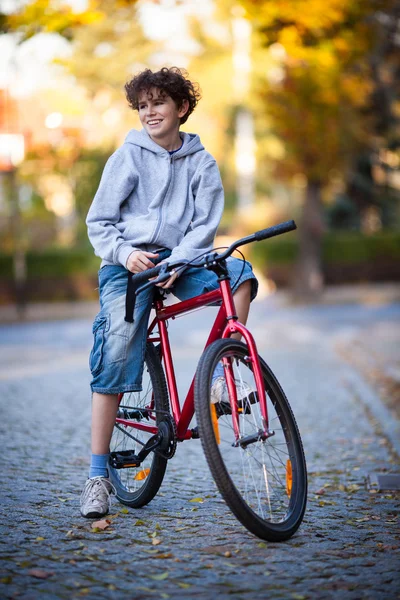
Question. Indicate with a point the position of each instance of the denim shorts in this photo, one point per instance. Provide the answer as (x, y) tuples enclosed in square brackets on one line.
[(117, 357)]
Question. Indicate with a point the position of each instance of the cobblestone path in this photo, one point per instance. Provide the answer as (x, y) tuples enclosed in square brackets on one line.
[(347, 547)]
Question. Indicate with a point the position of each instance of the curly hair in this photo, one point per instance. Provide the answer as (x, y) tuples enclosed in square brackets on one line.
[(171, 82)]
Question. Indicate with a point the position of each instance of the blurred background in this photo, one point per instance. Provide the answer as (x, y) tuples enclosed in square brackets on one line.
[(300, 107)]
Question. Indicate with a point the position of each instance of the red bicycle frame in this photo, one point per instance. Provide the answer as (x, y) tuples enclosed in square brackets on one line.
[(224, 326)]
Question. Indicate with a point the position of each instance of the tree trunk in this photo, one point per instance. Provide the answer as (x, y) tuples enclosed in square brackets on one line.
[(308, 278)]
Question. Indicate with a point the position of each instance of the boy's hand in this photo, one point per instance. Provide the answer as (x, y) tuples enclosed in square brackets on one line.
[(139, 261), (170, 282), (167, 284)]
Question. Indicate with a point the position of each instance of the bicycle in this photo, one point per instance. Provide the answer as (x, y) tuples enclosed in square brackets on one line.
[(251, 441)]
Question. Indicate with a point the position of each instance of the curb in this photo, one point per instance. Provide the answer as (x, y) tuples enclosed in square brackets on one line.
[(387, 421)]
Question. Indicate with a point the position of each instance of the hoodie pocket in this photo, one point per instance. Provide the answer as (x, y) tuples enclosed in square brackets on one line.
[(100, 326)]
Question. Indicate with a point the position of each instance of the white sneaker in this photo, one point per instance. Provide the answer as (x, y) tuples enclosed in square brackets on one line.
[(96, 497), (219, 396)]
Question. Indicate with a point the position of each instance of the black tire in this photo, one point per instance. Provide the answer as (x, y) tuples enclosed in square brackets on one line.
[(136, 487), (265, 483)]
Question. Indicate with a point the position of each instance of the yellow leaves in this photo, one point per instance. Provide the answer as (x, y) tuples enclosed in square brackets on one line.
[(139, 523), (45, 16), (160, 576), (309, 15), (199, 500)]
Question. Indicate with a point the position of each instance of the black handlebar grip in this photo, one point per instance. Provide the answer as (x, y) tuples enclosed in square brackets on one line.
[(146, 275), (263, 234)]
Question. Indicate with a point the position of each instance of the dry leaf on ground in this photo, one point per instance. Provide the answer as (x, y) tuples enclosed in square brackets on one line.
[(40, 574), (103, 524)]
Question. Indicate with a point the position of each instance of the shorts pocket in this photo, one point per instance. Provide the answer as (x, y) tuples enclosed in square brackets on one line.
[(100, 326)]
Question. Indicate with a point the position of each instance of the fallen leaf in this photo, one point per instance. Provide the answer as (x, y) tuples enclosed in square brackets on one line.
[(200, 500), (139, 522), (183, 585), (40, 574), (160, 577), (124, 511), (156, 541), (320, 492), (39, 539), (102, 524)]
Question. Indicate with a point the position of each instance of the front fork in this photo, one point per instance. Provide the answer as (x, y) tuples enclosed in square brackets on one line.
[(233, 326), (252, 358)]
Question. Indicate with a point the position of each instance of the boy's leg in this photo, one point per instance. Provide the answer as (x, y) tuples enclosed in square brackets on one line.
[(242, 298), (117, 345), (104, 411)]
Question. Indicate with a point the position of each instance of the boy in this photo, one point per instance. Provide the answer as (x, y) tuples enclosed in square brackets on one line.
[(160, 199)]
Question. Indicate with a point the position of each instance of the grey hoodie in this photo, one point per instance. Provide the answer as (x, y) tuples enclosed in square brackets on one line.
[(149, 199)]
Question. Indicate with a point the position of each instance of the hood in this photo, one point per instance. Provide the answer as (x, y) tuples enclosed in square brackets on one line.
[(191, 143)]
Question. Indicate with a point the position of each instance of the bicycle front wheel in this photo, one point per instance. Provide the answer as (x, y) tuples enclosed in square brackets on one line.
[(263, 481), (137, 486)]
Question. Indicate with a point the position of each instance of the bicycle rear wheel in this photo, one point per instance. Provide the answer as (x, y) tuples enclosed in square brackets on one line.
[(137, 486), (264, 482)]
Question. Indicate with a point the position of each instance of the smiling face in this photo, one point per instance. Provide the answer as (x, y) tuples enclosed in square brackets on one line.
[(160, 117)]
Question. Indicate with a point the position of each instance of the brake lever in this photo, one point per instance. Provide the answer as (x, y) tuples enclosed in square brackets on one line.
[(163, 276)]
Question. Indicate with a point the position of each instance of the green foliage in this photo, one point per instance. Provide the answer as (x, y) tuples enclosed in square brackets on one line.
[(347, 247), (277, 251), (338, 247), (53, 263)]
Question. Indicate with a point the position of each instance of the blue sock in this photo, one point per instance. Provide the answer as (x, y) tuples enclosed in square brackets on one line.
[(98, 465), (218, 372)]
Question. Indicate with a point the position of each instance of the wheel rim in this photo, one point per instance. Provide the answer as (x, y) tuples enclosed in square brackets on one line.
[(131, 480), (265, 472)]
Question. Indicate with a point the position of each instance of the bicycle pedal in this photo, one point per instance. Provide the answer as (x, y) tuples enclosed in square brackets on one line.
[(224, 408), (195, 433), (124, 459)]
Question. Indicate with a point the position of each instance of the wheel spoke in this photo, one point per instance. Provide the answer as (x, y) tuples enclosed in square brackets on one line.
[(136, 486), (264, 472)]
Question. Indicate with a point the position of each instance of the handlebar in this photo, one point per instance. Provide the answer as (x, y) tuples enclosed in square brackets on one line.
[(258, 236), (162, 270)]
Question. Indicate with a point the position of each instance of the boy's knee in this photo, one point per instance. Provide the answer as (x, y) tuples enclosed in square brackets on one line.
[(244, 288)]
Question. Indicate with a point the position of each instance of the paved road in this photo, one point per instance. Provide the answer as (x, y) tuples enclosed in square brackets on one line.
[(348, 545)]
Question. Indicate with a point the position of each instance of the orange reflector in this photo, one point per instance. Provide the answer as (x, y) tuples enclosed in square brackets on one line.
[(142, 474), (289, 477), (214, 420)]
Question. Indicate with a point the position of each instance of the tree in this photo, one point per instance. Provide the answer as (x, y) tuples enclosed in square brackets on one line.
[(322, 105), (56, 16)]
